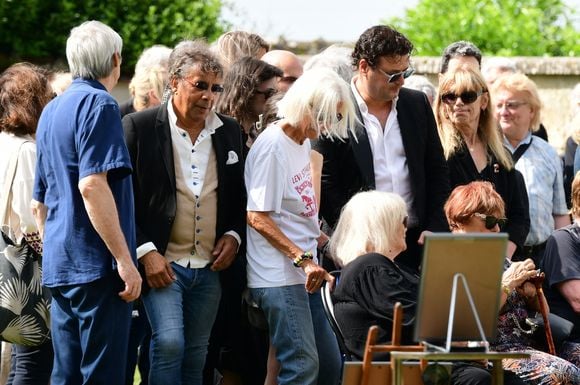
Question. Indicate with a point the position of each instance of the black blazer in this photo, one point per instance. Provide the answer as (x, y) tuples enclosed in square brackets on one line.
[(348, 166), (148, 138)]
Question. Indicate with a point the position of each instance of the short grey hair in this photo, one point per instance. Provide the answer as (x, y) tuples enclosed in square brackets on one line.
[(369, 222), (90, 49), (191, 54), (317, 94), (156, 55), (336, 58)]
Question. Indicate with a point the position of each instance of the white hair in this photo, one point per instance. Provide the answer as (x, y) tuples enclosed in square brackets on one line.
[(156, 55), (369, 222), (154, 79), (336, 58), (422, 83), (90, 49), (321, 95)]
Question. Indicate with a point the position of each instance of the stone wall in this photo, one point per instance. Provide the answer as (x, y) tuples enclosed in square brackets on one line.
[(555, 78)]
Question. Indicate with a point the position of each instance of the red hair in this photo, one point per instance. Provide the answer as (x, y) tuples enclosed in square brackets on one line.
[(475, 197)]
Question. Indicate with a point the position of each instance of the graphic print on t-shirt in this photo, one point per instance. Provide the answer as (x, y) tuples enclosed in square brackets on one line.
[(302, 183)]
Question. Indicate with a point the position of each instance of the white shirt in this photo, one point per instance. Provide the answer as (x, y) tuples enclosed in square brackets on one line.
[(20, 219), (278, 181), (389, 158)]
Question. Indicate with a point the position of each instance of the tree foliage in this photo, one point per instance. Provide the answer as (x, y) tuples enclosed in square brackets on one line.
[(497, 27), (36, 30)]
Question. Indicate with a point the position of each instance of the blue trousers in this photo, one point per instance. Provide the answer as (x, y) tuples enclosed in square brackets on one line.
[(90, 333), (181, 317)]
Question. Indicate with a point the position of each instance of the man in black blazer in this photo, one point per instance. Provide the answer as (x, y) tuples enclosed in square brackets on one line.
[(396, 148), (190, 210)]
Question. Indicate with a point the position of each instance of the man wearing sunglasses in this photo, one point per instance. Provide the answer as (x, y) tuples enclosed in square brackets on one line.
[(190, 210), (396, 148)]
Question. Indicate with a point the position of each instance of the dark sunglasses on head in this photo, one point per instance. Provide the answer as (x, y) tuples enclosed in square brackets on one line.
[(467, 97), (391, 78), (268, 93), (491, 221), (204, 86)]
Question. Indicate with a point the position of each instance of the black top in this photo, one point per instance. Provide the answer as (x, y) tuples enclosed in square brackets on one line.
[(366, 295), (510, 186), (561, 263), (126, 107), (569, 153)]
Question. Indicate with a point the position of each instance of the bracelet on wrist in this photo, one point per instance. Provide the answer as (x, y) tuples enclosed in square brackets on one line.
[(298, 261)]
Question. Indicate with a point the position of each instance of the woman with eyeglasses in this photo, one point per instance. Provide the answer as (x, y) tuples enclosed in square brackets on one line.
[(284, 276), (369, 235), (474, 149), (517, 107), (248, 85), (478, 208)]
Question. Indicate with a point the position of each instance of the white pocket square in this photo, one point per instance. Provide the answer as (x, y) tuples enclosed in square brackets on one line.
[(232, 158)]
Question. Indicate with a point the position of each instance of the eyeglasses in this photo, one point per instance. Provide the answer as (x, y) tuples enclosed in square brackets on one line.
[(288, 79), (268, 93), (391, 78), (510, 105), (406, 221), (204, 86), (338, 117), (491, 221), (467, 97)]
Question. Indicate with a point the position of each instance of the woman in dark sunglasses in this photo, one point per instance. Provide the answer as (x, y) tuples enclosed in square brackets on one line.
[(478, 208), (474, 150), (248, 85)]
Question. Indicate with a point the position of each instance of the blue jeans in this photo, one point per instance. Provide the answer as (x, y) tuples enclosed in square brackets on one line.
[(181, 317), (90, 332), (305, 345)]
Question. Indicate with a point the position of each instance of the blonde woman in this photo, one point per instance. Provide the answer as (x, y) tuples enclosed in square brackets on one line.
[(473, 147)]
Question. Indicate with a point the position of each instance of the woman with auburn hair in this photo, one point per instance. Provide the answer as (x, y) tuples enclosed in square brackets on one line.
[(24, 91), (478, 208), (473, 147)]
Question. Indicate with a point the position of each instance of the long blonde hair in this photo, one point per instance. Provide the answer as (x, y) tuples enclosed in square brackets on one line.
[(467, 79)]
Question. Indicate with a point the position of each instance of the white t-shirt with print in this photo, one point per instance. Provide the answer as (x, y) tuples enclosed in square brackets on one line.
[(278, 181)]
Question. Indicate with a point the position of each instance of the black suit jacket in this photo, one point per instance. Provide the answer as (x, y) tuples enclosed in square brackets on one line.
[(148, 138), (348, 165)]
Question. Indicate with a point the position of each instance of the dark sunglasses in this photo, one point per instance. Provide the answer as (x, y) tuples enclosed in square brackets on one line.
[(268, 93), (491, 221), (288, 79), (204, 86), (467, 97), (406, 221), (391, 78)]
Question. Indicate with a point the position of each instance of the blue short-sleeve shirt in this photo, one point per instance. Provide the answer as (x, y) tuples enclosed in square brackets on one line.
[(80, 134)]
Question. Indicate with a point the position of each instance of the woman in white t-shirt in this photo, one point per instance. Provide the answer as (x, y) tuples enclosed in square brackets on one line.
[(283, 274)]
